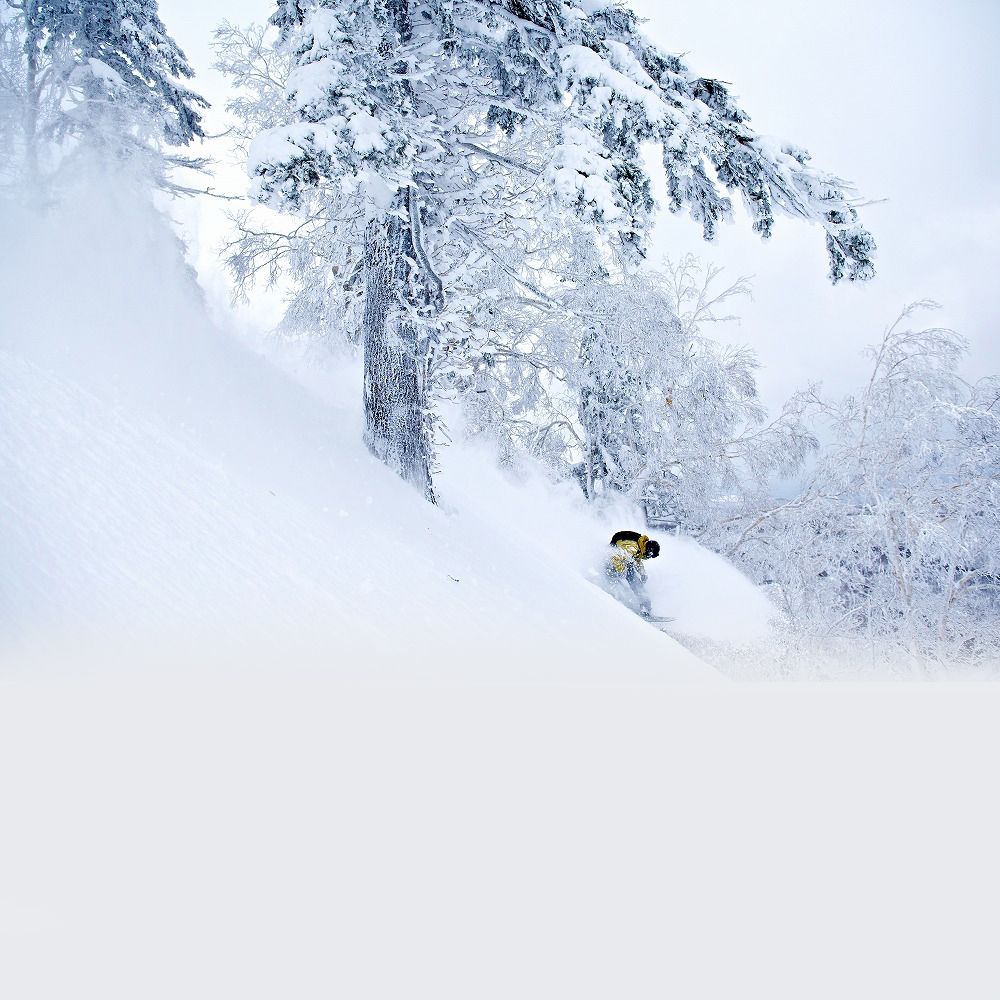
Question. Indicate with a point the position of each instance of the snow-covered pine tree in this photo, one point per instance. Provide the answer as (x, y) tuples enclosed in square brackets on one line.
[(12, 75), (450, 131), (104, 76)]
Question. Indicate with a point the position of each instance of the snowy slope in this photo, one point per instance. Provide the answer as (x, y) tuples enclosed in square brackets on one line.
[(115, 527), (286, 824), (160, 478)]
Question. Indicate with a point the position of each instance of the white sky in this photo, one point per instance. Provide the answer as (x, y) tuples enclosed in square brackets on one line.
[(898, 96)]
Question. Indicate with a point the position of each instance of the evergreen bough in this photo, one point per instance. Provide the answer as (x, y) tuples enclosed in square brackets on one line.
[(458, 133)]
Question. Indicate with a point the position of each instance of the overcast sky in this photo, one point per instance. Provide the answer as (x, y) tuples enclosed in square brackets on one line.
[(897, 96)]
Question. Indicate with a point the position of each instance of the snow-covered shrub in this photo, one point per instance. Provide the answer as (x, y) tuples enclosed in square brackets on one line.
[(616, 382), (896, 537)]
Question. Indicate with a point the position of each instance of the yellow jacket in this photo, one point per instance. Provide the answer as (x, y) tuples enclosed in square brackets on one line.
[(631, 553)]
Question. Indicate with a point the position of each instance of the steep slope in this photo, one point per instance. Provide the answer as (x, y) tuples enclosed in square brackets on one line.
[(159, 479), (115, 528)]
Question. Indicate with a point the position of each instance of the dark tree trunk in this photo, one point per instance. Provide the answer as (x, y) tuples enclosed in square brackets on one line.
[(395, 396), (31, 102)]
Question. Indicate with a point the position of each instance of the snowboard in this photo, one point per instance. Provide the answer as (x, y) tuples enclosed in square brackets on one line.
[(659, 622)]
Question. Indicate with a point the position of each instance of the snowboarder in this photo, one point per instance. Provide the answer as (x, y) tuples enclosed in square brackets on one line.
[(624, 566)]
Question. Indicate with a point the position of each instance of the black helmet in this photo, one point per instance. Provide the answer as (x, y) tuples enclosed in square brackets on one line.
[(652, 548)]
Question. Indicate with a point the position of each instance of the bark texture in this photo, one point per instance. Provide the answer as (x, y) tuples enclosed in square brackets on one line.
[(395, 392), (31, 103)]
